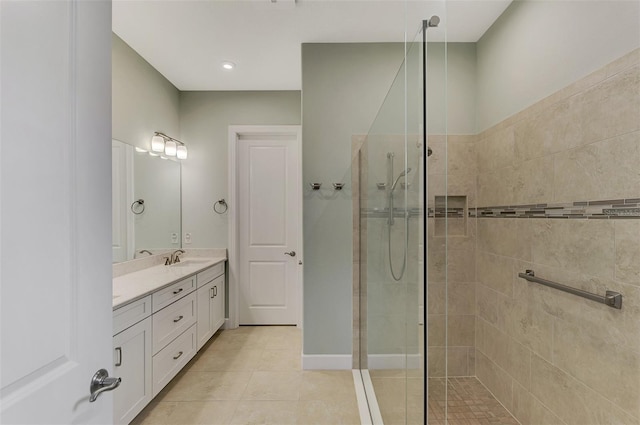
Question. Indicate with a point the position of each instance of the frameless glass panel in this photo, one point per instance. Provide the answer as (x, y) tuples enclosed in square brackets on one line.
[(392, 224)]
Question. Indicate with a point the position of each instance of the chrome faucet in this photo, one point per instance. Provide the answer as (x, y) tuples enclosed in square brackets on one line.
[(175, 257)]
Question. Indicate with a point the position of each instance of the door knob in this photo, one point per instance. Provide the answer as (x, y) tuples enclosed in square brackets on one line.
[(292, 253), (101, 383)]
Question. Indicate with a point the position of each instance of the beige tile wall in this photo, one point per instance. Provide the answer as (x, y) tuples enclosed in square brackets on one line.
[(548, 356), (451, 279)]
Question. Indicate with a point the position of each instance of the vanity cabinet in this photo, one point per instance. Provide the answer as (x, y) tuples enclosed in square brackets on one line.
[(156, 336), (210, 309), (132, 359)]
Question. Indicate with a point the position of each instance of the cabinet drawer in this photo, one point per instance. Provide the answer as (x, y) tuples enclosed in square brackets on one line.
[(173, 320), (130, 314), (172, 293), (209, 274), (168, 362)]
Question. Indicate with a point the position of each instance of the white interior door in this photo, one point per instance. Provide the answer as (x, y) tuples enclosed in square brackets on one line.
[(268, 198), (121, 200), (55, 192)]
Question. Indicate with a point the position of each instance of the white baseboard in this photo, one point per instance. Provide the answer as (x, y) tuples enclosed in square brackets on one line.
[(226, 324), (327, 362), (394, 361)]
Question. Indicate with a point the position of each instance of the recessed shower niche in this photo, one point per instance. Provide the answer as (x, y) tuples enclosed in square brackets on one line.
[(450, 216)]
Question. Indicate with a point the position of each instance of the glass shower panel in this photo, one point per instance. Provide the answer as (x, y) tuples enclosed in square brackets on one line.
[(392, 175), (441, 360)]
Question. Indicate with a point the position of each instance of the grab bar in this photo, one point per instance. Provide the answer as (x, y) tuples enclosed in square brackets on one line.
[(611, 298)]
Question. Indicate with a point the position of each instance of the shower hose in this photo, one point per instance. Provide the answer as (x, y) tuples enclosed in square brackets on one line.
[(404, 256)]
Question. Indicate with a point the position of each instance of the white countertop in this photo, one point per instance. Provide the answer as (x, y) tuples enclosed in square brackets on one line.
[(133, 286)]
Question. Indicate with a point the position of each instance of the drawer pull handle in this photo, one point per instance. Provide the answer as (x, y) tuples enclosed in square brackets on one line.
[(176, 357), (178, 291), (215, 291), (212, 294), (119, 351), (178, 319)]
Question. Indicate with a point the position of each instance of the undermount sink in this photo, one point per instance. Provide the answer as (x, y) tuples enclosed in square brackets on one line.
[(190, 263)]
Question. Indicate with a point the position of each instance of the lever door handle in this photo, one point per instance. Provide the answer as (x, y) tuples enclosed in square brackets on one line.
[(101, 383), (292, 253)]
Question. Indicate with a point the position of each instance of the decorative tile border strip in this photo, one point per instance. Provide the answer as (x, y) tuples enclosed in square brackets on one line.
[(441, 212), (606, 209)]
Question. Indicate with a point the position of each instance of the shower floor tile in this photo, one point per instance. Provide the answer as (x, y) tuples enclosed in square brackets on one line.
[(467, 402)]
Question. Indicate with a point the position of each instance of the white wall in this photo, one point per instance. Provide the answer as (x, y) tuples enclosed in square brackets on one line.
[(538, 47), (205, 118), (143, 100)]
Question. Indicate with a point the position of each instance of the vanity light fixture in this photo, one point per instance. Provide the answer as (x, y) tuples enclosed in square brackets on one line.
[(157, 143), (181, 152), (171, 147)]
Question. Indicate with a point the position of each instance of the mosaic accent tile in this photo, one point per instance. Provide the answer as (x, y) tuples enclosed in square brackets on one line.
[(602, 209)]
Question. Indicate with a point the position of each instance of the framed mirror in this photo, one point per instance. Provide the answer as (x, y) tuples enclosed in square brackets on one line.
[(146, 202)]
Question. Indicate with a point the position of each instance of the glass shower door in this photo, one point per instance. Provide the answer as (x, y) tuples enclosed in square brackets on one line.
[(392, 227)]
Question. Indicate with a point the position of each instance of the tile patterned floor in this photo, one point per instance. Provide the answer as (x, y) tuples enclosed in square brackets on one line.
[(468, 403), (252, 375)]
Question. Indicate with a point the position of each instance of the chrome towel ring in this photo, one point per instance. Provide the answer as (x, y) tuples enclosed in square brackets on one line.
[(222, 208), (140, 209)]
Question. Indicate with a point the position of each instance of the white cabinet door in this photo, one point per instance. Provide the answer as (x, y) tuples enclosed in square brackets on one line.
[(210, 309), (132, 362), (55, 231), (217, 305), (204, 296)]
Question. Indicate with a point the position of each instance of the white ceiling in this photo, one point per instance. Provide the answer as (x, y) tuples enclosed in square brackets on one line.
[(188, 40)]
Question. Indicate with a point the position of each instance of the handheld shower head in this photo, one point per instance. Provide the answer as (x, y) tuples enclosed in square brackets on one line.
[(402, 174)]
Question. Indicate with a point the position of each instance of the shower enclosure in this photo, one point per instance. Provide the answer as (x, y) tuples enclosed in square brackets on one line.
[(489, 172), (390, 169)]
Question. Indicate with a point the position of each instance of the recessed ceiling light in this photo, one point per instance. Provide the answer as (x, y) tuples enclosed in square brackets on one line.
[(228, 65)]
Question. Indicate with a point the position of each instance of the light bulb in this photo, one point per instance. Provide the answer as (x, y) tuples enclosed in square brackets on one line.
[(181, 152), (157, 143), (170, 148)]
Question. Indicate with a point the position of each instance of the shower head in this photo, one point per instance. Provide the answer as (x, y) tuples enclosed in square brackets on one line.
[(402, 174)]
